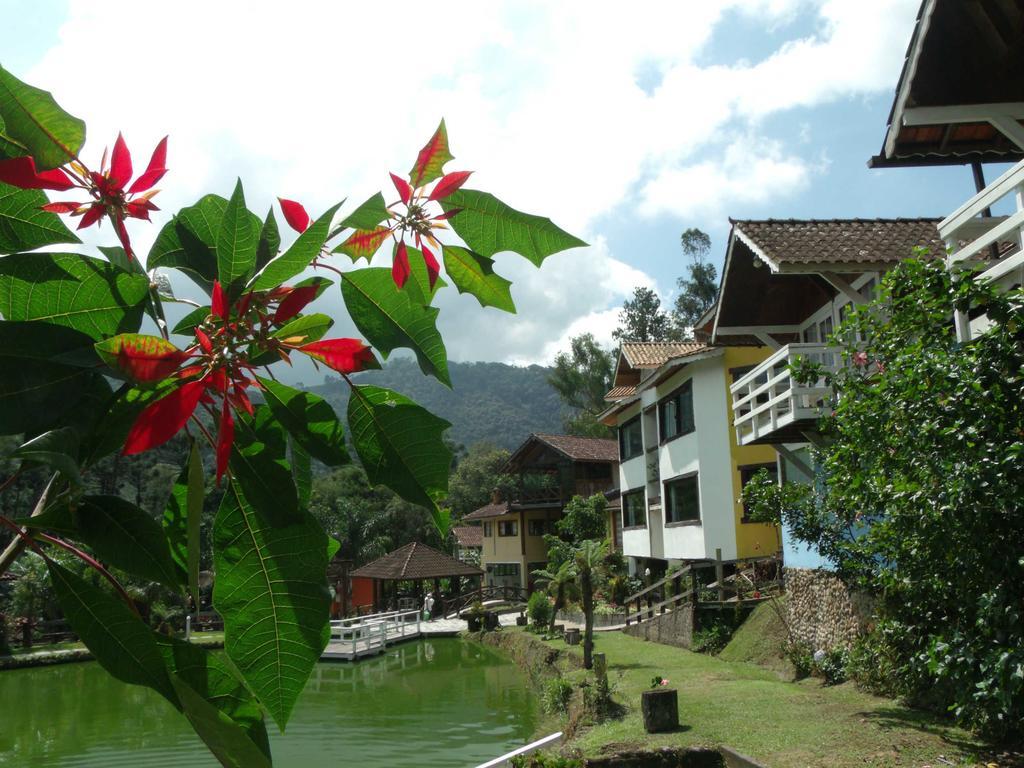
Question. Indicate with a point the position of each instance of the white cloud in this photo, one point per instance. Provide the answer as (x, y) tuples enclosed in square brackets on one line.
[(317, 101), (750, 170)]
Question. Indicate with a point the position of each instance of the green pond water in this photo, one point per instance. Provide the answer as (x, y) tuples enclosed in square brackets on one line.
[(441, 702)]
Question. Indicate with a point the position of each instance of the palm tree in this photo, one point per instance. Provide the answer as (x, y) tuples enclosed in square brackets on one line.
[(589, 561), (557, 583)]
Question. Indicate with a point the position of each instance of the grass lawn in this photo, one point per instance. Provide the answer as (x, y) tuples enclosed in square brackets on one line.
[(752, 710)]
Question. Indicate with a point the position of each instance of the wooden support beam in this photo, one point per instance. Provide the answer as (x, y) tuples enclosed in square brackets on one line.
[(794, 459), (842, 285)]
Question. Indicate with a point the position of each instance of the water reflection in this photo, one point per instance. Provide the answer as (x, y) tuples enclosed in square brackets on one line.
[(438, 702)]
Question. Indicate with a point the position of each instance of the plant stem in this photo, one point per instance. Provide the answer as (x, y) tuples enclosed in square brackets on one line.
[(15, 548)]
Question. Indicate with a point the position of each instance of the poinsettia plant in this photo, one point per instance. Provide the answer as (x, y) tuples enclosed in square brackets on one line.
[(89, 366)]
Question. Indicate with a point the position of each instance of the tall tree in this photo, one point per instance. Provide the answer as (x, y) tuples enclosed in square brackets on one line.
[(699, 291), (479, 473), (642, 318), (581, 377), (589, 563)]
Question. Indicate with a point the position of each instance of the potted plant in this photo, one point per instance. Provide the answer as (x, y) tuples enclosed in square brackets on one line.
[(660, 706), (475, 615)]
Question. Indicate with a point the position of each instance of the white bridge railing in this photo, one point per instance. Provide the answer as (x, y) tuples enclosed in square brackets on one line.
[(506, 759), (767, 399), (375, 630)]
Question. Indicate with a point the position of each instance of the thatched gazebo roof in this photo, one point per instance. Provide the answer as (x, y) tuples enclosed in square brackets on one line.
[(415, 562)]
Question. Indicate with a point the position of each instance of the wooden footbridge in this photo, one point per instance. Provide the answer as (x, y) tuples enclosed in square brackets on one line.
[(360, 636)]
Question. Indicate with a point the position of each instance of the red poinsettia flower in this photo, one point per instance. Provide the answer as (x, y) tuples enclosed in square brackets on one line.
[(342, 355), (295, 215), (21, 172), (107, 187)]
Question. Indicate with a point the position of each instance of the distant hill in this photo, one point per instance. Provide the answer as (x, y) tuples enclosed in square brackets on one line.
[(489, 402)]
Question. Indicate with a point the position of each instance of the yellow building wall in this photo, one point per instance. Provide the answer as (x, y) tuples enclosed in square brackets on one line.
[(752, 539), (509, 549)]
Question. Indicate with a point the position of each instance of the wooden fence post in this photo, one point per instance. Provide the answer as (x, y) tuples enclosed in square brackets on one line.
[(719, 575)]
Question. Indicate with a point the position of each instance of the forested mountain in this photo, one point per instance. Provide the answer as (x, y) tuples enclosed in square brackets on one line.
[(489, 402)]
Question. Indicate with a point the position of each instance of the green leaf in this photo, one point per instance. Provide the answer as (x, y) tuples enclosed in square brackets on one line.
[(298, 257), (119, 533), (389, 319), (187, 325), (237, 240), (37, 387), (430, 162), (270, 241), (302, 472), (210, 676), (80, 292), (24, 226), (271, 590), (309, 419), (363, 243), (121, 643), (188, 241), (34, 120), (418, 285), (311, 327), (474, 274), (259, 462), (57, 448), (225, 738), (182, 518), (400, 444), (488, 226), (366, 216)]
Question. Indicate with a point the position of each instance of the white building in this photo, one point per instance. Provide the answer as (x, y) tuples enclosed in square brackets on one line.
[(680, 467)]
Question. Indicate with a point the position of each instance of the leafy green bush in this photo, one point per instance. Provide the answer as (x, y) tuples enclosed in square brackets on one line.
[(545, 760), (918, 491), (802, 659), (711, 639), (832, 666), (555, 695), (539, 609)]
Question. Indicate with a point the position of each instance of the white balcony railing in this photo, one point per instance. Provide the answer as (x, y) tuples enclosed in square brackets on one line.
[(767, 399), (969, 236)]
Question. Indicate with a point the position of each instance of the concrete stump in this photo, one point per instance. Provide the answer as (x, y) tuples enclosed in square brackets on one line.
[(661, 709), (572, 636)]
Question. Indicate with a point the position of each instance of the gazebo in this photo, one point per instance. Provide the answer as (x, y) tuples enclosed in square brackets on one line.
[(417, 563)]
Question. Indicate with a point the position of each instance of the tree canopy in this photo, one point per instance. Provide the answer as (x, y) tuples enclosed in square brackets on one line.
[(582, 376)]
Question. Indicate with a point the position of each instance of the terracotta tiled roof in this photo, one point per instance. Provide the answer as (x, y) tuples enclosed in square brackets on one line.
[(617, 393), (583, 448), (654, 354), (415, 561), (489, 510), (468, 535), (845, 241)]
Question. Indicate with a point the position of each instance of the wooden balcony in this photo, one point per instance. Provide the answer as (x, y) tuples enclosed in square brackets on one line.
[(769, 407), (971, 237)]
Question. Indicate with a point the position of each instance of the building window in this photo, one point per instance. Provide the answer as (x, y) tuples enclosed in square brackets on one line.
[(682, 500), (675, 412), (508, 527), (536, 526), (746, 474), (633, 512), (487, 530), (631, 439)]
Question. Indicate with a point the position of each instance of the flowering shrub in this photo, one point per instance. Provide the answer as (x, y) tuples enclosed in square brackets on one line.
[(918, 497), (88, 367)]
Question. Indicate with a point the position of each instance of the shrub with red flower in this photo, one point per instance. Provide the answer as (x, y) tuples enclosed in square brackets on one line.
[(90, 364)]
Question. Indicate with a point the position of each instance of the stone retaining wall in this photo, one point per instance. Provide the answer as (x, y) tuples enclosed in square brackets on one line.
[(675, 628), (821, 610), (600, 619)]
